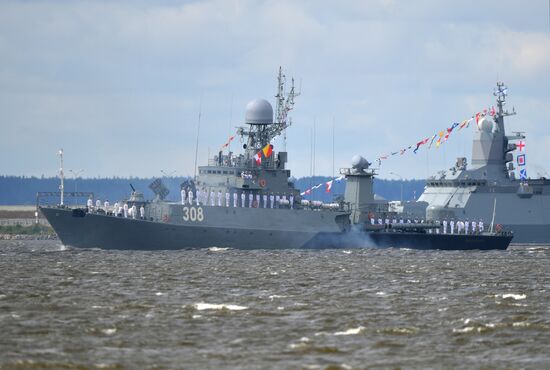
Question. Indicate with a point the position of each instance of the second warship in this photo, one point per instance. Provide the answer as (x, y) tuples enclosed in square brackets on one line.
[(487, 189)]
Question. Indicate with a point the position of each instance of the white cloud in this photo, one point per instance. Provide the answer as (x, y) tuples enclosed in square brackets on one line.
[(124, 79)]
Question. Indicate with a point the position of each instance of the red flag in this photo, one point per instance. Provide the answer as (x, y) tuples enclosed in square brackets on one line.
[(258, 158), (329, 186)]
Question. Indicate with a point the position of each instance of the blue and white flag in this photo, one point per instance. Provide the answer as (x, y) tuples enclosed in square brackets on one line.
[(523, 174)]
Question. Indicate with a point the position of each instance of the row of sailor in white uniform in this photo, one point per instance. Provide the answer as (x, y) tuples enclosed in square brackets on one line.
[(236, 200), (460, 227), (463, 227), (118, 209)]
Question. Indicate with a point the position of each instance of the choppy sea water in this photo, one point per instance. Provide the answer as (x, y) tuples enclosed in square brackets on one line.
[(331, 309)]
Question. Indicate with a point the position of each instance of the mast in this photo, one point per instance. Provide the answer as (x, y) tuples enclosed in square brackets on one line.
[(284, 105), (62, 176), (197, 142)]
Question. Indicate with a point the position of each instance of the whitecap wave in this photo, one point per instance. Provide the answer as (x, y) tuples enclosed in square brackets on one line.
[(514, 296), (218, 249), (352, 331), (210, 306), (109, 331), (467, 329)]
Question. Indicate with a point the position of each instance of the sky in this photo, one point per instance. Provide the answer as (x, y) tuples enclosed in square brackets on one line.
[(119, 84)]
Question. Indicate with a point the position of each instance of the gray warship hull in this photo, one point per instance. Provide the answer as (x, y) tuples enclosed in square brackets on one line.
[(88, 230)]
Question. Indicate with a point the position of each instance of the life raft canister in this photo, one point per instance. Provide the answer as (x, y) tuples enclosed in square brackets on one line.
[(263, 183)]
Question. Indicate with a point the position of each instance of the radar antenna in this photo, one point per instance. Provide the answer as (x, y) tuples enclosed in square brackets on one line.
[(501, 92), (284, 105)]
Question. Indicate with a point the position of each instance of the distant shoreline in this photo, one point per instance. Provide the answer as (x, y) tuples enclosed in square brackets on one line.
[(28, 237)]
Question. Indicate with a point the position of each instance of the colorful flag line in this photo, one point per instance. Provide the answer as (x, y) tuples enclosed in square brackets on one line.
[(328, 186), (442, 136)]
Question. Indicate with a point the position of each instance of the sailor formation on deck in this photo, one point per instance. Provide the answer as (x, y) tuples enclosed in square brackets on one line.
[(244, 199), (443, 227), (118, 209)]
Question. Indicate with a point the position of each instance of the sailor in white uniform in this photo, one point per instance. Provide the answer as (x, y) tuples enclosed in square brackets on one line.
[(134, 211), (97, 204), (257, 205), (480, 226), (380, 221), (90, 204), (250, 199), (474, 227), (212, 198), (271, 199), (125, 208), (466, 226), (459, 226), (452, 226), (243, 198), (190, 197), (219, 198), (265, 200), (227, 196), (372, 220), (401, 221), (235, 200), (444, 226), (198, 199), (106, 205), (182, 196), (437, 223), (142, 212), (277, 198), (291, 197)]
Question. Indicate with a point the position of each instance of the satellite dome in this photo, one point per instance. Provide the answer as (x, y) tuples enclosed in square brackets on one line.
[(259, 112), (486, 124), (359, 163)]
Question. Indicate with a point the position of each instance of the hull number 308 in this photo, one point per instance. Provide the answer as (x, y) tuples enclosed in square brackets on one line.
[(194, 214)]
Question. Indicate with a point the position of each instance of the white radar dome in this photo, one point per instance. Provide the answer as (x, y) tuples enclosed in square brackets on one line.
[(486, 124), (359, 162), (259, 112)]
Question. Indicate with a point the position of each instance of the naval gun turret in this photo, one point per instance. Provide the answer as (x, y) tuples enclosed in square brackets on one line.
[(359, 193)]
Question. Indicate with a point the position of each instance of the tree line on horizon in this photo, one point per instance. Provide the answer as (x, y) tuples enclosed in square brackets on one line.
[(22, 190)]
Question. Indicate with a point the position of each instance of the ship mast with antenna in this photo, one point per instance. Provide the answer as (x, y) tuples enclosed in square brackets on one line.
[(284, 105)]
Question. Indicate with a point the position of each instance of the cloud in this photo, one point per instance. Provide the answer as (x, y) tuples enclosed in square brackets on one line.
[(119, 83)]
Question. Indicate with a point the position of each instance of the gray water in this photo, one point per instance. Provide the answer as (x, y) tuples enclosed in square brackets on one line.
[(332, 309)]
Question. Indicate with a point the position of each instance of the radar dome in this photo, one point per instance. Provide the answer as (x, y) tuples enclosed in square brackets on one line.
[(359, 163), (259, 112), (486, 124)]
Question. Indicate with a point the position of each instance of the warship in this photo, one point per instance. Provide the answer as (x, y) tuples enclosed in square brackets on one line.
[(247, 201), (488, 188)]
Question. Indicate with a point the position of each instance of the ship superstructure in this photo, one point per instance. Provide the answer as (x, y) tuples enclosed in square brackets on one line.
[(488, 189)]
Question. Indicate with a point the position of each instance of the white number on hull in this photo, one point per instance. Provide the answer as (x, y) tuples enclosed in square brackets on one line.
[(193, 214)]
